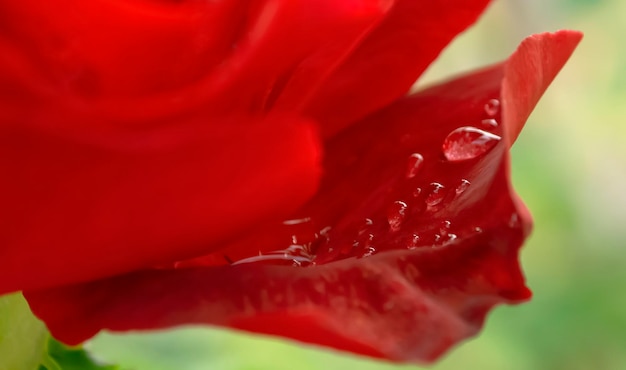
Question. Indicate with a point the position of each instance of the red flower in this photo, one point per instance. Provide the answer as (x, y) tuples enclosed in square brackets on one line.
[(137, 133)]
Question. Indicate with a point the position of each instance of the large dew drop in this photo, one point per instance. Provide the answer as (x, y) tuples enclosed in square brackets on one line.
[(468, 143), (414, 242)]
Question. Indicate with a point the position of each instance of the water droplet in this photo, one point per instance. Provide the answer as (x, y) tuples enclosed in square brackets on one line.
[(492, 107), (368, 252), (362, 241), (437, 238), (451, 238), (365, 226), (295, 254), (362, 247), (478, 230), (460, 189), (514, 221), (396, 215), (414, 165), (276, 258), (444, 228), (320, 241), (413, 243), (489, 123), (417, 192), (436, 195), (296, 262), (468, 143), (296, 250), (297, 221)]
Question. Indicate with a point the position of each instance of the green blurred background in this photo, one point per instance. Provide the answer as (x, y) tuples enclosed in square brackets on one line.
[(569, 166)]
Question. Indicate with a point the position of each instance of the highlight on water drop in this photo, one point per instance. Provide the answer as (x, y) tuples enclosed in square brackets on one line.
[(396, 215), (460, 189), (492, 107), (436, 195), (444, 228), (414, 164), (417, 192), (450, 238), (297, 221), (489, 123), (369, 251), (413, 242)]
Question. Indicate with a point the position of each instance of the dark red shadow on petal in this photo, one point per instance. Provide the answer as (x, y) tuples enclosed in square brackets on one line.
[(79, 205), (389, 296)]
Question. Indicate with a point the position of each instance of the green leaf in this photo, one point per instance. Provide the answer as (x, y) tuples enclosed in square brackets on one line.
[(25, 343), (62, 357), (22, 336)]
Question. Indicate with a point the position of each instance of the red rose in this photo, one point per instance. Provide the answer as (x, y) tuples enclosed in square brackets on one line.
[(256, 165)]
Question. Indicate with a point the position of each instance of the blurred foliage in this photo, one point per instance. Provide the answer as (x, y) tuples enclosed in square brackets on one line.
[(22, 335), (61, 357), (570, 168)]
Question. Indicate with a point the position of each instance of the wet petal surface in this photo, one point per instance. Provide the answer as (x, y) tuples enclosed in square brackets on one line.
[(101, 200)]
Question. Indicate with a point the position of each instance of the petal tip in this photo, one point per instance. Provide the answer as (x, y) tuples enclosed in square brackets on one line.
[(529, 71)]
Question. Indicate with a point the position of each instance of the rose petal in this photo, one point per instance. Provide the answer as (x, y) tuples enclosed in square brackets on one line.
[(85, 204), (390, 59), (410, 301), (50, 116), (136, 61), (121, 47), (398, 306), (523, 86)]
